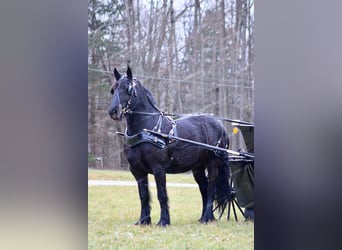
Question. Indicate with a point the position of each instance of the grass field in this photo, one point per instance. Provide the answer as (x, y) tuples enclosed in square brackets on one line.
[(112, 211), (99, 174)]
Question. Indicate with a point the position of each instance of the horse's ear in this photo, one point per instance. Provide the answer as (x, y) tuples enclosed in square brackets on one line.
[(117, 74), (129, 73)]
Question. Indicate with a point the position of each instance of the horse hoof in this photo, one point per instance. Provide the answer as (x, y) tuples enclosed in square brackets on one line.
[(163, 224), (207, 220), (204, 221), (143, 222), (249, 214)]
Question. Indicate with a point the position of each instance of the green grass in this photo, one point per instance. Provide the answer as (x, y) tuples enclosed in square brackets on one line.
[(112, 211), (116, 175), (106, 174)]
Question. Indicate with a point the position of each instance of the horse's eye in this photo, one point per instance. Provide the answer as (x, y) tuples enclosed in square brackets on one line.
[(112, 91)]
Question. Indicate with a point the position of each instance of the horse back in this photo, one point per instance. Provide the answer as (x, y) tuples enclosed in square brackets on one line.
[(203, 128)]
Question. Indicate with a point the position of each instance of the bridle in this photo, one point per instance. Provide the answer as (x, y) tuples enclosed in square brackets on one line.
[(128, 109)]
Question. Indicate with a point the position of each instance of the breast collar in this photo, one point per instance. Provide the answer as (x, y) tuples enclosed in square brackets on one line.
[(147, 137)]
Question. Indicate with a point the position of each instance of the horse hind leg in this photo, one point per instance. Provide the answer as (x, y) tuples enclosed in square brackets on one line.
[(208, 215), (202, 182), (218, 188)]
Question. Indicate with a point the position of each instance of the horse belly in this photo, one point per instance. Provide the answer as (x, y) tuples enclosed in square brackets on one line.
[(181, 161)]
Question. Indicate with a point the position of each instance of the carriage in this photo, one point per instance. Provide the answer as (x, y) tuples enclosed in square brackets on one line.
[(156, 143), (242, 174)]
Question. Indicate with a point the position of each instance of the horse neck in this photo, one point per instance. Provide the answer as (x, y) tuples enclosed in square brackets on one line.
[(137, 122)]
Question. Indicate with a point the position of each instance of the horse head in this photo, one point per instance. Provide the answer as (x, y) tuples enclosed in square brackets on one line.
[(122, 90)]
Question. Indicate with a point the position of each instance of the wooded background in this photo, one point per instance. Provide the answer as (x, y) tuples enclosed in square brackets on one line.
[(195, 56)]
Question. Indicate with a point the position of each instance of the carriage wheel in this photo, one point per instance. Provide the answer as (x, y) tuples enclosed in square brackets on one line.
[(232, 204), (242, 192)]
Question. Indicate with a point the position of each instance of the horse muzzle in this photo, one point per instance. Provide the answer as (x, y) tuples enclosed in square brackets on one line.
[(116, 113)]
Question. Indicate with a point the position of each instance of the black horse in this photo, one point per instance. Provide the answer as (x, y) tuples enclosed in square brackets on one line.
[(149, 154)]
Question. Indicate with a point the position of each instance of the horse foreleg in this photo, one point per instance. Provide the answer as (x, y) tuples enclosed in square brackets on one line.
[(160, 178), (145, 218)]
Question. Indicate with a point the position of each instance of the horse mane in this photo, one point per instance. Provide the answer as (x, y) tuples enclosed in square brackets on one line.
[(147, 93)]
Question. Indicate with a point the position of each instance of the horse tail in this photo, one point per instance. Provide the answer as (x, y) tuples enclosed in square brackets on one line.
[(223, 189)]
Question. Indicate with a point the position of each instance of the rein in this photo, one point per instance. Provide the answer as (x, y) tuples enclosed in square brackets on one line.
[(129, 111)]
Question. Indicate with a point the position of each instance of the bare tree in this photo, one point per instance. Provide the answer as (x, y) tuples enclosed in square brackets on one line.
[(195, 56)]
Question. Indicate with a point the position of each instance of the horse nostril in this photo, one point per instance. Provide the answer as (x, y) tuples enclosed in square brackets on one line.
[(113, 112)]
